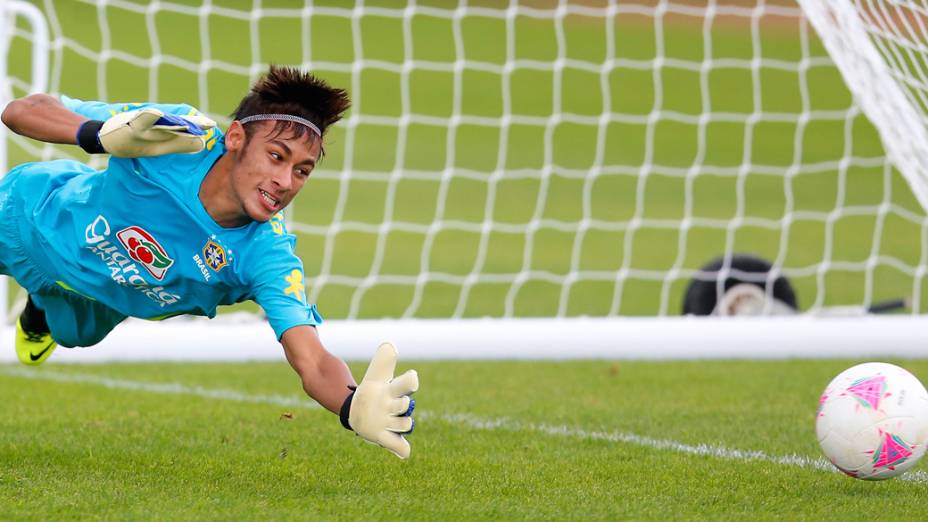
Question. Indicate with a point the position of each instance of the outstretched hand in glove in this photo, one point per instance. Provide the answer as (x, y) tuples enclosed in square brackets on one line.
[(380, 409)]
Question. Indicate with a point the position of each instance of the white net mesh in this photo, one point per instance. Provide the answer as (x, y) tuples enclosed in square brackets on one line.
[(880, 48), (540, 158)]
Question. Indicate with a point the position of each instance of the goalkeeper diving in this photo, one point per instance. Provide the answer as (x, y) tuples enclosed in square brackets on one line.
[(184, 218)]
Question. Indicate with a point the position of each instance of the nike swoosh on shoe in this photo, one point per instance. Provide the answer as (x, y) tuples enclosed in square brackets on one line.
[(33, 357)]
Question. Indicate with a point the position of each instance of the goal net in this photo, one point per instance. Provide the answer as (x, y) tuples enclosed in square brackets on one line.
[(544, 178)]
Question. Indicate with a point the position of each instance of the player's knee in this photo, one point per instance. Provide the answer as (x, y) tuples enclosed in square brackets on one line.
[(77, 339)]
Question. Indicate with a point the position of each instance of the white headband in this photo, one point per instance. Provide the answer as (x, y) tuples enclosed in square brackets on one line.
[(284, 117)]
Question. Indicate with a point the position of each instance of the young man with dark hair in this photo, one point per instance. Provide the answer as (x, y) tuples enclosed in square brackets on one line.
[(183, 219)]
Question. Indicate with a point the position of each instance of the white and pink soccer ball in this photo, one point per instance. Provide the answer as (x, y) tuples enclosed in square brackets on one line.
[(872, 421)]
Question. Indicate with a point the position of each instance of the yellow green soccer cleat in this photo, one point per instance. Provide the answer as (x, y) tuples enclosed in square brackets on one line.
[(32, 348)]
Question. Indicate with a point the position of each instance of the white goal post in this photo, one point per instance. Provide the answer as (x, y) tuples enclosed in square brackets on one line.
[(881, 50), (543, 179), (38, 82)]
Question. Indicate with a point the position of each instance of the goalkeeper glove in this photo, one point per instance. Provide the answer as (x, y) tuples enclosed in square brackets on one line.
[(380, 409), (144, 132)]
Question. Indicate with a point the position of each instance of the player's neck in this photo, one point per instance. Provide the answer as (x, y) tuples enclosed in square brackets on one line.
[(218, 199)]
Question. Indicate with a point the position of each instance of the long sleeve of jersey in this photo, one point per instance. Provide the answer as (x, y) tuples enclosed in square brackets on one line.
[(96, 110)]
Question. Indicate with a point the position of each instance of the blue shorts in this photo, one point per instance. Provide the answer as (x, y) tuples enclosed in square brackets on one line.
[(74, 320)]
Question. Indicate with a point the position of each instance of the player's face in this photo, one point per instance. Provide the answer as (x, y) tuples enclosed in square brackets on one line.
[(272, 169)]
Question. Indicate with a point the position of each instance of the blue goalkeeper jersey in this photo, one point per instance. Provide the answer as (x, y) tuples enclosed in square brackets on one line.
[(136, 237)]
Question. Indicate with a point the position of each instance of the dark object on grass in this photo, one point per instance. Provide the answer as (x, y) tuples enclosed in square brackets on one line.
[(702, 294)]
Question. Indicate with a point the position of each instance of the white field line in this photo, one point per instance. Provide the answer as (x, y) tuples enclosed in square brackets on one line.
[(164, 388), (464, 419)]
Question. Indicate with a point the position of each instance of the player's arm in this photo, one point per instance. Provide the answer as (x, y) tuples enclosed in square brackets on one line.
[(147, 131), (325, 377), (43, 118), (379, 410)]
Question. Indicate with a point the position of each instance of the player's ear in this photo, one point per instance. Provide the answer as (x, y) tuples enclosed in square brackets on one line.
[(235, 137)]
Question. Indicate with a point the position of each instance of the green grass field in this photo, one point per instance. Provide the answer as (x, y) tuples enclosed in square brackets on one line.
[(397, 176), (598, 440)]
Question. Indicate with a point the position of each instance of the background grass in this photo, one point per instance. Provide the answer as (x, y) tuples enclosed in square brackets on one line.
[(590, 214), (80, 450)]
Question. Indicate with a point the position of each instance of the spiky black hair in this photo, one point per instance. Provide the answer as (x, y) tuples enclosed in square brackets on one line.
[(288, 90)]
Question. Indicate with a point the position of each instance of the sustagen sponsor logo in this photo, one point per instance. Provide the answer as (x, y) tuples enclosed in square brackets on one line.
[(123, 270), (145, 249)]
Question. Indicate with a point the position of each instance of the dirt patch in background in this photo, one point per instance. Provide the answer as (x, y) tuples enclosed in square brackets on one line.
[(552, 4), (786, 15)]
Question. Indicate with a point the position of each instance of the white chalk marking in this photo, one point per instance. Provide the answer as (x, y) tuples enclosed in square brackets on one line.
[(170, 388)]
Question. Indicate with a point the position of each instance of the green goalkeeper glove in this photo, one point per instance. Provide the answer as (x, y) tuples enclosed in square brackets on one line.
[(380, 409), (144, 132)]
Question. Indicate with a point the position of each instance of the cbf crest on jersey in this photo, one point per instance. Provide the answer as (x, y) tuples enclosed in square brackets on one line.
[(214, 255)]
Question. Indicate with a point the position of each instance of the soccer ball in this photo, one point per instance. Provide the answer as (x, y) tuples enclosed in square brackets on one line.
[(872, 421)]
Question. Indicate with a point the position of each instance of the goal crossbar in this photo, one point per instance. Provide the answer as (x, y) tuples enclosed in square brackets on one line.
[(561, 337)]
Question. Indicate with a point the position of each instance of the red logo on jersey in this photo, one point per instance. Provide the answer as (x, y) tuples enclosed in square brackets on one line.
[(146, 250)]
